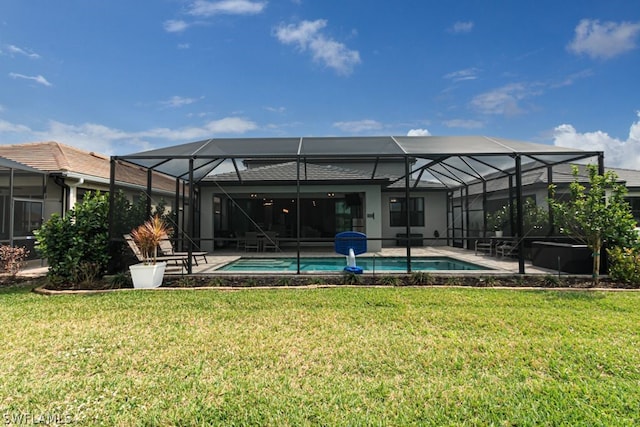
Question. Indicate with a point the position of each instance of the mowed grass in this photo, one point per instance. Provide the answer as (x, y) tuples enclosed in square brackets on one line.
[(350, 356)]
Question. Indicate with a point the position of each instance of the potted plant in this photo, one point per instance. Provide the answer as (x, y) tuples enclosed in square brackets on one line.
[(497, 220), (147, 236)]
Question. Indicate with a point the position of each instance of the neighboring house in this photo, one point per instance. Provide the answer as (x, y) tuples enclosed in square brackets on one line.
[(535, 188), (50, 177)]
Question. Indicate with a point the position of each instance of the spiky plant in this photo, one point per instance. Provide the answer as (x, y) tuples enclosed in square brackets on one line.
[(148, 236)]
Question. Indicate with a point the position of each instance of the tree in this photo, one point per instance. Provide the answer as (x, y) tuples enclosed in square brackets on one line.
[(596, 215), (76, 245)]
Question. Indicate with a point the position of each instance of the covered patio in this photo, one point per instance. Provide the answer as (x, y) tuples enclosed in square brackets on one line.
[(305, 189)]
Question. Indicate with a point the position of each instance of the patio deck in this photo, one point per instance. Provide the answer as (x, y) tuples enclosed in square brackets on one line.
[(498, 266)]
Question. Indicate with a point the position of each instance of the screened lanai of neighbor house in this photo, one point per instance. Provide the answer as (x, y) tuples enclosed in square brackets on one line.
[(22, 198), (398, 190)]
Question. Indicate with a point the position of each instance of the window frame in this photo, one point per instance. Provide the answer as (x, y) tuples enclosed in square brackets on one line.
[(398, 216)]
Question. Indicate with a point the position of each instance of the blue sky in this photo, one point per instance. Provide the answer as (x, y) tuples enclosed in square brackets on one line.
[(122, 76)]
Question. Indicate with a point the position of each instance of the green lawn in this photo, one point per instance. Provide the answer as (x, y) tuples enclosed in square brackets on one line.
[(363, 356)]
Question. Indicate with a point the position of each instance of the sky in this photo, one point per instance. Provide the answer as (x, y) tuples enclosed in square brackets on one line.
[(122, 76)]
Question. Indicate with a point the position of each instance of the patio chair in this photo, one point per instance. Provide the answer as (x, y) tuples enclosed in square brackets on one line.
[(270, 241), (166, 248), (484, 245), (251, 241), (178, 259), (240, 239), (507, 248)]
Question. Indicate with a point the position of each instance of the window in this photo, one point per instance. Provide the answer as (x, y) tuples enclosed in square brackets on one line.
[(634, 202), (27, 216), (398, 211)]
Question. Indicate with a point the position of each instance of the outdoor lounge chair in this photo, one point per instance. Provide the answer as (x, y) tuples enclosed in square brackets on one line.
[(166, 248), (178, 259)]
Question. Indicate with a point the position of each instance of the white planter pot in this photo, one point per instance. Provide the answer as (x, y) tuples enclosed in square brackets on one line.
[(498, 233), (147, 276)]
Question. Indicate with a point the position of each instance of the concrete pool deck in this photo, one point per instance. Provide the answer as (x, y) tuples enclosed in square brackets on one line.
[(498, 265)]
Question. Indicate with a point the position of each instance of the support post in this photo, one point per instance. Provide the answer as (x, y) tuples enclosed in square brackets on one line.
[(149, 190), (465, 223), (177, 209), (484, 208), (298, 207), (519, 215), (407, 204), (192, 219), (552, 226)]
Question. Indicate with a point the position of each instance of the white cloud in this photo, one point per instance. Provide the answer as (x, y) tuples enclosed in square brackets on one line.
[(463, 124), (7, 127), (228, 125), (308, 35), (604, 40), (504, 100), (178, 101), (617, 153), (205, 8), (461, 27), (279, 110), (418, 132), (106, 140), (571, 79), (38, 79), (20, 51), (175, 25), (358, 126), (184, 46), (461, 75)]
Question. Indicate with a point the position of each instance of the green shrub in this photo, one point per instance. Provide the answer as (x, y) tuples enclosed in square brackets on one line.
[(284, 281), (250, 282), (624, 265), (420, 278), (185, 282), (453, 281), (390, 281), (551, 280), (120, 280), (76, 245), (349, 278), (216, 281)]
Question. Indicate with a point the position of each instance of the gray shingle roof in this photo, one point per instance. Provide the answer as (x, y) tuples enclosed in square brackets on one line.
[(288, 172), (283, 172)]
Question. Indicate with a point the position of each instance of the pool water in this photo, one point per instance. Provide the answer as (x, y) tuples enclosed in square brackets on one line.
[(337, 264)]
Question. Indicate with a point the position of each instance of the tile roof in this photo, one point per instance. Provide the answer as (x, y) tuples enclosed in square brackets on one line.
[(54, 157)]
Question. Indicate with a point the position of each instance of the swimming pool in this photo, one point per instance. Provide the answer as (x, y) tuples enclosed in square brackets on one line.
[(337, 264)]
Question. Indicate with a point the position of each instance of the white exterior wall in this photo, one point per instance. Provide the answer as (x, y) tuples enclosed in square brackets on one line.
[(435, 212), (371, 206)]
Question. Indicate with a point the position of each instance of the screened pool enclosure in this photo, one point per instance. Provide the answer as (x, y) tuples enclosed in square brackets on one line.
[(299, 192)]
